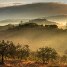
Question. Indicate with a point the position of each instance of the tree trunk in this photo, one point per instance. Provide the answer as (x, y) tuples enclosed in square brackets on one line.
[(43, 60), (2, 59)]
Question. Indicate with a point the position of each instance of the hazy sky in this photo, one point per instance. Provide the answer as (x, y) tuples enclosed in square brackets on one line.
[(31, 1), (4, 3)]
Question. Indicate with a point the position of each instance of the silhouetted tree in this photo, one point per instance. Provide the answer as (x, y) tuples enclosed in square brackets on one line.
[(20, 24), (30, 25), (51, 26), (7, 49), (23, 52), (64, 59), (3, 49), (46, 54), (11, 51)]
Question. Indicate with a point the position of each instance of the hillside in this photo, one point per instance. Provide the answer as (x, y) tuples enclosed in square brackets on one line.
[(37, 36), (42, 21), (58, 18)]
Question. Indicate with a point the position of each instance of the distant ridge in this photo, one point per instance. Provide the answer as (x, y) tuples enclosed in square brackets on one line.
[(58, 18), (42, 21)]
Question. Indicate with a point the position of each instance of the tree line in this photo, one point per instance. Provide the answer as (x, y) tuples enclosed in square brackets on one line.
[(9, 50)]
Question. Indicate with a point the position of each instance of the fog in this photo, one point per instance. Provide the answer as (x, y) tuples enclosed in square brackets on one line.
[(37, 38)]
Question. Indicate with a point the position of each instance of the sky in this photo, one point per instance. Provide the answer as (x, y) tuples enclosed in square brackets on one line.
[(31, 1), (4, 3)]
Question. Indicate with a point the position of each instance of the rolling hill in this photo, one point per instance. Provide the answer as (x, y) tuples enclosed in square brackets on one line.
[(42, 21), (36, 37), (59, 18)]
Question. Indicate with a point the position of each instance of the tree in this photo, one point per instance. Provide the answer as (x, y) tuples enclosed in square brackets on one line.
[(64, 59), (24, 52), (20, 24), (46, 54), (3, 48), (51, 26), (7, 49), (11, 50)]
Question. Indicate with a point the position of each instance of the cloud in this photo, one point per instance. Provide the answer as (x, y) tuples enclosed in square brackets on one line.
[(31, 1), (4, 3)]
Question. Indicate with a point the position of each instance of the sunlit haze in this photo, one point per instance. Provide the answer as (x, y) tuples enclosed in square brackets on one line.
[(15, 2)]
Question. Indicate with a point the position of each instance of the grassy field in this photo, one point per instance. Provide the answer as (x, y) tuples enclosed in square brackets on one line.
[(18, 63)]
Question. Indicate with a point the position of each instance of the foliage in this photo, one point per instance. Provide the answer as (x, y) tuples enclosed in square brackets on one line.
[(46, 54), (51, 26), (10, 50), (24, 52)]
